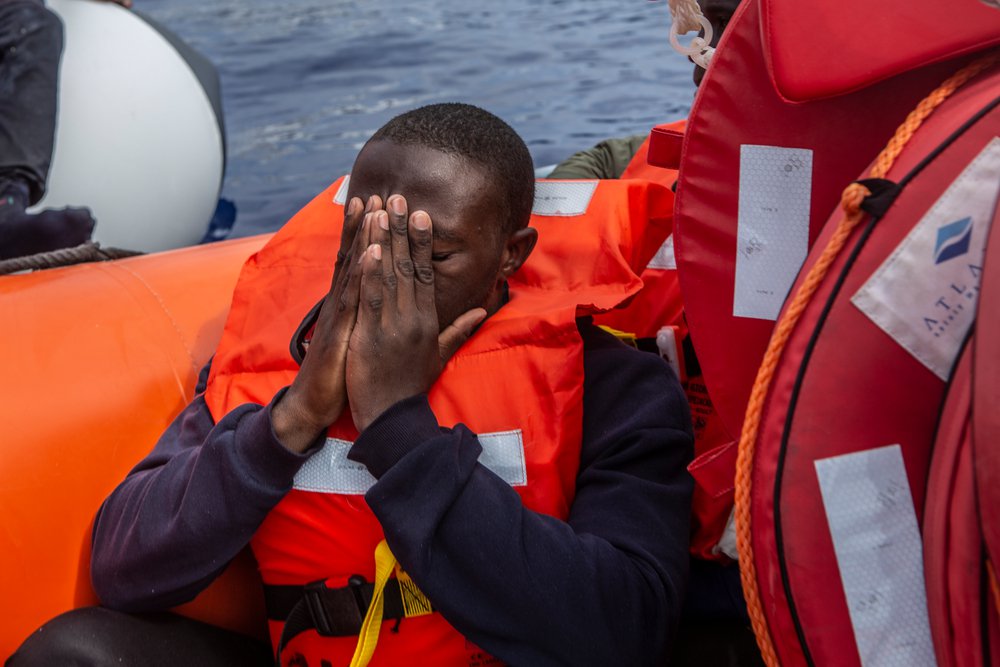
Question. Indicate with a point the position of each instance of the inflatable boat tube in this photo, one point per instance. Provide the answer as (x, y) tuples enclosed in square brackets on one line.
[(99, 358), (139, 136)]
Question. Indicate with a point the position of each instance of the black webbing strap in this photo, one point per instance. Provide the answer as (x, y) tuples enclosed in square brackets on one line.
[(331, 612)]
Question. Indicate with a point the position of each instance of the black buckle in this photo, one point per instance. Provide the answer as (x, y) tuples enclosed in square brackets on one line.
[(312, 594), (333, 623), (361, 593)]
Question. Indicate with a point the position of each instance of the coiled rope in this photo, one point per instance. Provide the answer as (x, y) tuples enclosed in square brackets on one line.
[(86, 252), (687, 17), (851, 200)]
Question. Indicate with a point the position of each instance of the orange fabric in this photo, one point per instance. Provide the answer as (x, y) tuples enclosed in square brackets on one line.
[(522, 370), (854, 195), (113, 349), (659, 304)]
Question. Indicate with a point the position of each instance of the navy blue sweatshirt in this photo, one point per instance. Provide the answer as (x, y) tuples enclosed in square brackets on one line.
[(604, 587)]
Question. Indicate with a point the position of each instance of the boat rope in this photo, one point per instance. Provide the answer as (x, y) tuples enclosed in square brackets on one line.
[(687, 17), (851, 200), (86, 252), (991, 573)]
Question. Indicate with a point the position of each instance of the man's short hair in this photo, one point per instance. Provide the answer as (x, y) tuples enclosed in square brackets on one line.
[(477, 135)]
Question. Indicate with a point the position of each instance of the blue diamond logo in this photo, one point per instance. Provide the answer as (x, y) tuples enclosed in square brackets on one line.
[(953, 240)]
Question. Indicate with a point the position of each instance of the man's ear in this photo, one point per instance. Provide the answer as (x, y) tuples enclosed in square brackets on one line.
[(516, 249)]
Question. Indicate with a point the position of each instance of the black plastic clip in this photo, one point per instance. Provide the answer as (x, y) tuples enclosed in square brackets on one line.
[(362, 593), (313, 596), (883, 194)]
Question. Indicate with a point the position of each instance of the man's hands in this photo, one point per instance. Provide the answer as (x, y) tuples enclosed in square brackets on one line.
[(396, 350), (318, 394), (376, 339)]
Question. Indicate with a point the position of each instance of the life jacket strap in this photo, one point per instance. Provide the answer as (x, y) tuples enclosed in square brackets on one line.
[(331, 612)]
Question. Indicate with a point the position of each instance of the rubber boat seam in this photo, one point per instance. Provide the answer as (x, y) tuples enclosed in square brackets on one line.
[(166, 311)]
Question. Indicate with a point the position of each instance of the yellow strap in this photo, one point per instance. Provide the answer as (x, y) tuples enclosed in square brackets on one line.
[(415, 603), (624, 336), (385, 562)]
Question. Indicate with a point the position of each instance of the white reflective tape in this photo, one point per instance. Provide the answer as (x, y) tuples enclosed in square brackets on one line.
[(772, 236), (564, 198), (924, 295), (879, 554), (503, 453), (341, 196), (330, 471), (664, 257)]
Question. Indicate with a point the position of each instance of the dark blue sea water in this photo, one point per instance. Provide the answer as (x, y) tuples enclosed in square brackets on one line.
[(306, 82)]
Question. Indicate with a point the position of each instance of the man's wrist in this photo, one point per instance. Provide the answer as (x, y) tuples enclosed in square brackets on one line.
[(292, 424), (394, 433)]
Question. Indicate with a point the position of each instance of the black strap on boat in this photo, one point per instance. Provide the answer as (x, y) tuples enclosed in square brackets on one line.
[(331, 612)]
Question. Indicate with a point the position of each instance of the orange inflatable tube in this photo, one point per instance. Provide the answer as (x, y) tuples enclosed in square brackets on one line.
[(97, 360)]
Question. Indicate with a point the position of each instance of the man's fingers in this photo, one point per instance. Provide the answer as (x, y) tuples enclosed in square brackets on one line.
[(353, 216), (371, 299), (380, 236), (347, 300), (421, 247), (458, 332), (402, 263)]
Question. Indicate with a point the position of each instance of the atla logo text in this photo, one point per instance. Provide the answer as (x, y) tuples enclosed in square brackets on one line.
[(956, 303), (953, 240)]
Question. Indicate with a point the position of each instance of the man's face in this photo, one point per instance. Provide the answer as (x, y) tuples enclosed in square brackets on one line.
[(464, 210), (718, 13)]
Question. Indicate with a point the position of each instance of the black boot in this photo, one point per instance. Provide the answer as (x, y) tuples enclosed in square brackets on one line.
[(23, 233)]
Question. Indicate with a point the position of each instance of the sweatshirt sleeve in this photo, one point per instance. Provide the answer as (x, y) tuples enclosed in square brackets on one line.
[(608, 159), (604, 587), (187, 509)]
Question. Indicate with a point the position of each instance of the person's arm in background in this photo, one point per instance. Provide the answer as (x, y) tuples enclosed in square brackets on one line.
[(607, 159), (603, 588)]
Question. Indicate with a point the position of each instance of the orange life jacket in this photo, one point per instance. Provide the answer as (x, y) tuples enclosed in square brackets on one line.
[(518, 383)]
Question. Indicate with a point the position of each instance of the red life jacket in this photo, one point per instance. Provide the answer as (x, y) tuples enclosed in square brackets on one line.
[(838, 481), (517, 383)]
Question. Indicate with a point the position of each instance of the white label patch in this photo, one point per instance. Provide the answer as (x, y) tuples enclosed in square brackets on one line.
[(341, 196), (880, 555), (563, 198), (664, 257), (330, 471), (924, 295), (772, 236)]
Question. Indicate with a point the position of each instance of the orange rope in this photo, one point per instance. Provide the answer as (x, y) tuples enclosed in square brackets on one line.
[(851, 200), (994, 587)]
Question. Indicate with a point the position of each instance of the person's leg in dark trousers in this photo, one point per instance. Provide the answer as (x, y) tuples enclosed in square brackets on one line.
[(715, 627), (31, 41), (95, 636)]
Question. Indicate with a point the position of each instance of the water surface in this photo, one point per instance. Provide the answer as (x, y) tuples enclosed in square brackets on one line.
[(306, 82)]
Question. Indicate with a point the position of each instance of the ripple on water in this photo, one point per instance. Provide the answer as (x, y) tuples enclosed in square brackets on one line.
[(306, 82)]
